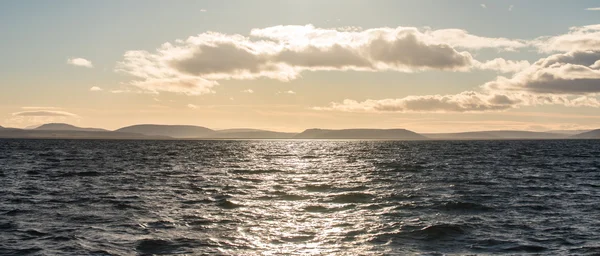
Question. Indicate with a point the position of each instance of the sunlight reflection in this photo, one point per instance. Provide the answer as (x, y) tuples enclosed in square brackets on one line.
[(298, 213)]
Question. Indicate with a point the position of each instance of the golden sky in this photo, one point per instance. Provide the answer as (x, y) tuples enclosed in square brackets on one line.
[(282, 66)]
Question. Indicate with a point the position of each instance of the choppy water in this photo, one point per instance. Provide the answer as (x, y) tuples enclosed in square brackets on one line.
[(73, 197)]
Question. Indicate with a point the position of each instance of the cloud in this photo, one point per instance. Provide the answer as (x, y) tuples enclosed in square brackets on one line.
[(583, 38), (462, 39), (44, 113), (593, 9), (483, 6), (573, 73), (37, 108), (203, 10), (95, 89), (468, 101), (287, 92), (80, 62), (502, 65), (135, 90), (511, 7), (195, 65), (192, 106), (464, 102), (248, 91), (570, 79)]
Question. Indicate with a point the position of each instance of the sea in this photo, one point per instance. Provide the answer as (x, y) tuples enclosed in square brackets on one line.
[(299, 197)]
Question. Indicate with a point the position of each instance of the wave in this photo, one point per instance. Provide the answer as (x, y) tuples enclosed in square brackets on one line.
[(352, 198), (226, 204), (440, 231), (525, 248), (317, 188), (258, 171), (79, 174), (324, 209), (464, 206), (175, 246)]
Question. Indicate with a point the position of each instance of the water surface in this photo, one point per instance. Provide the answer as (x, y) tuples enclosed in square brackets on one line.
[(94, 197)]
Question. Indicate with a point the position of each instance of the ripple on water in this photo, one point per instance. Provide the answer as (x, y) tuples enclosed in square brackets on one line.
[(63, 197), (226, 204), (352, 198)]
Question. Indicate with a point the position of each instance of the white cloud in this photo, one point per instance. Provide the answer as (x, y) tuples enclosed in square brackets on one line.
[(511, 7), (568, 79), (192, 106), (41, 115), (194, 66), (81, 62), (483, 6), (573, 73), (44, 113), (502, 65), (130, 90), (577, 39), (593, 9), (37, 108), (203, 10), (463, 39), (95, 89), (287, 92), (468, 101), (248, 91)]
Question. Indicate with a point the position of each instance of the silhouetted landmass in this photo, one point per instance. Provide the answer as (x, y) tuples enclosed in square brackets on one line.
[(57, 134), (391, 134), (153, 131), (594, 134), (251, 134), (30, 127), (66, 127), (175, 131), (236, 130), (462, 136), (199, 132), (568, 132), (495, 135)]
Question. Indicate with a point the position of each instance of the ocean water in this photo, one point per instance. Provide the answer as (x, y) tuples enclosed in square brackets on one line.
[(94, 197)]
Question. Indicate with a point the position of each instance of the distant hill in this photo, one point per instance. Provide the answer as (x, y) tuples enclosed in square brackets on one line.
[(569, 132), (175, 131), (65, 127), (391, 134), (236, 130), (593, 134), (31, 127), (253, 134), (495, 135), (62, 134), (462, 136)]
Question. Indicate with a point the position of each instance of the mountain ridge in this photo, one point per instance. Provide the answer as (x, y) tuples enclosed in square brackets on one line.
[(160, 131), (175, 131), (593, 134), (359, 134), (66, 127), (497, 134)]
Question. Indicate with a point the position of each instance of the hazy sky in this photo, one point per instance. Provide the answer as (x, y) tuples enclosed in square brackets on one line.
[(427, 66)]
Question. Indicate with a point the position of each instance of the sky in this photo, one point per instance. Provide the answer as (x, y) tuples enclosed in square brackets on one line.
[(427, 66)]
